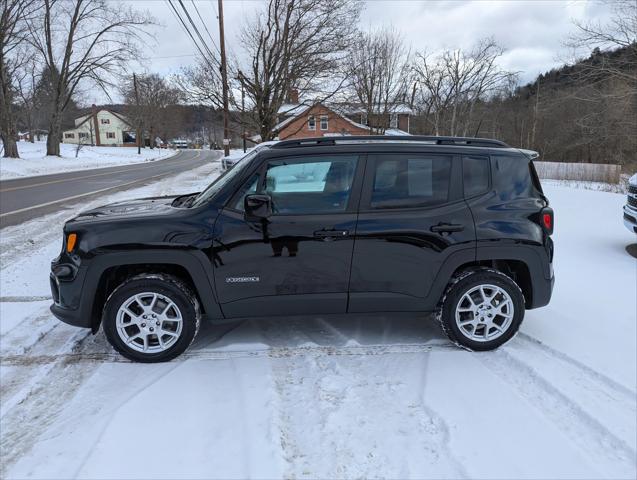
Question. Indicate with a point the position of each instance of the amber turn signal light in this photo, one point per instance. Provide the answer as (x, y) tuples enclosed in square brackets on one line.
[(70, 242)]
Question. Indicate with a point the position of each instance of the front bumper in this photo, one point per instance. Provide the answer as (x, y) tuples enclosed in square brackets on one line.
[(630, 218), (69, 305)]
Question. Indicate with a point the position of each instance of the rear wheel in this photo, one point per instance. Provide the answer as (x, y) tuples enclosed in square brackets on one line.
[(151, 318), (482, 309)]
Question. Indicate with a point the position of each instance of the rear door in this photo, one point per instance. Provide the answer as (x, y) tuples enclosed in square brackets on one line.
[(298, 260), (412, 218)]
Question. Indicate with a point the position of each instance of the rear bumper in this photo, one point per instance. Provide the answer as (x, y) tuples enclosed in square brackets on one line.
[(542, 291), (630, 218)]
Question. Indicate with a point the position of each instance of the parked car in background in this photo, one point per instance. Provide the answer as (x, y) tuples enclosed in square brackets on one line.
[(456, 226), (234, 158), (630, 209)]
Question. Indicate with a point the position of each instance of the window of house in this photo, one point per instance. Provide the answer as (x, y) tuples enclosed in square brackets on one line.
[(475, 173), (310, 185), (311, 123), (105, 121), (83, 135), (110, 134), (324, 122), (69, 135), (410, 180)]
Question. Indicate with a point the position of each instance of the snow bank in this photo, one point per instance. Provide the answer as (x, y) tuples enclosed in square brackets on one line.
[(33, 160)]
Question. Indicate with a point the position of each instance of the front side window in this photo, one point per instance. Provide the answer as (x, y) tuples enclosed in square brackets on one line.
[(410, 181), (475, 175), (310, 184), (324, 122), (311, 123)]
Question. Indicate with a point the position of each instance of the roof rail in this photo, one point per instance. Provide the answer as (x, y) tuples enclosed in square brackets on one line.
[(358, 139)]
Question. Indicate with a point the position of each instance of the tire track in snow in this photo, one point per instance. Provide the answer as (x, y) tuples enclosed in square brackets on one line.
[(587, 371), (346, 393), (439, 422), (273, 352), (585, 431), (40, 400)]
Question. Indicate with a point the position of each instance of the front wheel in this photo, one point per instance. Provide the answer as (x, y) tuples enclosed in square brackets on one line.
[(151, 318), (482, 309)]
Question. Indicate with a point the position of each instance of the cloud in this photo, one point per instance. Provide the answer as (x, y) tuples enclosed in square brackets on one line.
[(532, 31)]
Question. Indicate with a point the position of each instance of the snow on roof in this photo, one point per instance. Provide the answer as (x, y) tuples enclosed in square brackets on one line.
[(398, 108), (292, 109), (291, 118)]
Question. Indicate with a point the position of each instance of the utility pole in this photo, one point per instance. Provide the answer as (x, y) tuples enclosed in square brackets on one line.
[(243, 111), (224, 80), (138, 132)]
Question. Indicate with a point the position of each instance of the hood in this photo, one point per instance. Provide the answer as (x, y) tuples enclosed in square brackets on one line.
[(633, 180), (131, 208)]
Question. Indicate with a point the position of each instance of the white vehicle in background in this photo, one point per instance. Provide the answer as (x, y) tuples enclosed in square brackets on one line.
[(180, 144), (234, 158), (630, 209)]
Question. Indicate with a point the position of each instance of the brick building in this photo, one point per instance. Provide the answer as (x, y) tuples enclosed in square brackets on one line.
[(297, 120)]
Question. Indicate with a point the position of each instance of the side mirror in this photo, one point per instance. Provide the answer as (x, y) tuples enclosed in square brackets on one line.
[(257, 206)]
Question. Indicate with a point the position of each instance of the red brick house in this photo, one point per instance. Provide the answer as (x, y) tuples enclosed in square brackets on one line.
[(316, 121)]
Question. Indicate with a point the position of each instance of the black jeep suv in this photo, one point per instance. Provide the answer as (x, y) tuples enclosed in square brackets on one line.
[(456, 226)]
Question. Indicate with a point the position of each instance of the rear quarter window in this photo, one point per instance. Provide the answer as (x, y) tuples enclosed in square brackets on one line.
[(475, 174), (512, 177)]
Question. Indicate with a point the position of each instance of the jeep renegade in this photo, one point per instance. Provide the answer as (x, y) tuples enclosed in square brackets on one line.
[(455, 226)]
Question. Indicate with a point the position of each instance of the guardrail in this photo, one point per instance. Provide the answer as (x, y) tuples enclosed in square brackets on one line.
[(585, 172)]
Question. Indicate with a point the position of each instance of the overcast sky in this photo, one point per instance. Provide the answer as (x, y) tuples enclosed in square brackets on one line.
[(532, 32)]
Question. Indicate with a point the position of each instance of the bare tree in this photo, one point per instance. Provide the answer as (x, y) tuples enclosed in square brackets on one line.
[(84, 40), (201, 83), (619, 32), (13, 47), (148, 101), (27, 80), (455, 81), (379, 71), (294, 44)]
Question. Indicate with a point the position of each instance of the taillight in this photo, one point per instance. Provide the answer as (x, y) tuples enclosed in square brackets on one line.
[(547, 220)]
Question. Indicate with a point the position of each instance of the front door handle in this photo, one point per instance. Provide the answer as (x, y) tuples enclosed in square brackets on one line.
[(447, 228), (331, 233)]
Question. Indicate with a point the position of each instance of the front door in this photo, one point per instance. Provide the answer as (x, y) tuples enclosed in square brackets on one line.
[(412, 218), (298, 260)]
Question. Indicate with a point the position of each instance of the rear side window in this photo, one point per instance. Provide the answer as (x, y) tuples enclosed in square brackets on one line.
[(512, 177), (410, 180), (475, 175)]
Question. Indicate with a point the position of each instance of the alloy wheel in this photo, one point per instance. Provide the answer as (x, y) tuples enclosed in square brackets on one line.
[(484, 313), (149, 322)]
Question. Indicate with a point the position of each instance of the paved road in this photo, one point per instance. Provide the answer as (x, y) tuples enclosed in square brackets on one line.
[(22, 199)]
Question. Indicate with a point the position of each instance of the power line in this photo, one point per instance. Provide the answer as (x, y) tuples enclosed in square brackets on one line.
[(206, 57), (204, 24), (196, 29)]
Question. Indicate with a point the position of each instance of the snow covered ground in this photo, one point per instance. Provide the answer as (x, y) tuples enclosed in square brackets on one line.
[(33, 159), (353, 397)]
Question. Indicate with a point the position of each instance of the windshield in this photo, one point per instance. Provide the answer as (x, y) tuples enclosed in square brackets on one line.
[(223, 180)]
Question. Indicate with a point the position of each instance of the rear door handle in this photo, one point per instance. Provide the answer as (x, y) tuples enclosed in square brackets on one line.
[(331, 233), (447, 228)]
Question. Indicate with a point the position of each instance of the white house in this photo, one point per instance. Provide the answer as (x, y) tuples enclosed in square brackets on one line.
[(101, 127)]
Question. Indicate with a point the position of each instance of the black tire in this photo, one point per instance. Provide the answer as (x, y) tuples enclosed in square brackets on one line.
[(463, 284), (166, 286)]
